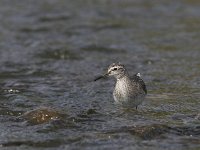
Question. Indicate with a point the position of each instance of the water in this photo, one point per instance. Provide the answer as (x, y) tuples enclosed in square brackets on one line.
[(50, 52)]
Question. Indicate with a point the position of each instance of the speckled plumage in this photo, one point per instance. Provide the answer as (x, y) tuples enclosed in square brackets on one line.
[(129, 91)]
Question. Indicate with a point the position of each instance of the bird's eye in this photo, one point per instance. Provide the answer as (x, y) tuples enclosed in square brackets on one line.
[(114, 68)]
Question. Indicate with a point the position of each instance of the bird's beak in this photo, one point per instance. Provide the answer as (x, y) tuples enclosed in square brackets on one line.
[(100, 77)]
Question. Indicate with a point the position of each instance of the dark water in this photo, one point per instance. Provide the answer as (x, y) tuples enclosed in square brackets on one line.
[(50, 52)]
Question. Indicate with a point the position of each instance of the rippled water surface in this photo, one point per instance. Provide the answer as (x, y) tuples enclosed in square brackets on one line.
[(50, 52)]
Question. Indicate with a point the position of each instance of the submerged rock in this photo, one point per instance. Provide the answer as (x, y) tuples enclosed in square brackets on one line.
[(149, 132), (41, 115)]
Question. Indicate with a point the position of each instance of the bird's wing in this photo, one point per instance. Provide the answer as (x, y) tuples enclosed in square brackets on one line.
[(137, 78)]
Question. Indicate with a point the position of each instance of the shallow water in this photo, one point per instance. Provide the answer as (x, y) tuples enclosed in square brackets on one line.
[(50, 52)]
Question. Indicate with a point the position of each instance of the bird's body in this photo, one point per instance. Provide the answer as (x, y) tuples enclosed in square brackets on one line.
[(129, 91)]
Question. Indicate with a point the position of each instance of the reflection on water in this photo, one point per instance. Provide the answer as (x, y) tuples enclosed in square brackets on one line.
[(50, 52)]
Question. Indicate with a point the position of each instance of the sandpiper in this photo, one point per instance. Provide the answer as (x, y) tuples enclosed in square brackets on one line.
[(129, 91)]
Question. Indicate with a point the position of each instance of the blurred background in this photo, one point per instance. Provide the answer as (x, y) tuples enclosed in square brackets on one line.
[(51, 50)]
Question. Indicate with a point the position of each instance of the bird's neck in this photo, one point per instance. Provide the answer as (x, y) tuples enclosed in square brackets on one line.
[(123, 76)]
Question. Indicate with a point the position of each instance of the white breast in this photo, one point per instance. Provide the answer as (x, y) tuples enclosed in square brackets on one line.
[(121, 91)]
